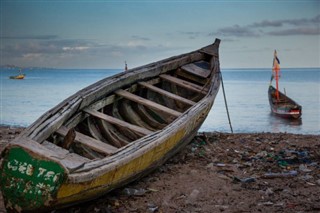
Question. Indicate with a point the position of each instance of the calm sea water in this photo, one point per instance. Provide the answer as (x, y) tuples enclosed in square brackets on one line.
[(23, 101)]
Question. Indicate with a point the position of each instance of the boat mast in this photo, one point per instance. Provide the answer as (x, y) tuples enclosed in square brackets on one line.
[(276, 70), (125, 66)]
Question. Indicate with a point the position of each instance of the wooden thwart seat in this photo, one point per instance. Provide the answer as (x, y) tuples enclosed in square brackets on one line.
[(90, 142), (118, 122), (185, 84), (166, 93), (147, 103)]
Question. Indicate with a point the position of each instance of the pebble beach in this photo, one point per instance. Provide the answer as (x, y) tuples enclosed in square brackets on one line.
[(221, 172)]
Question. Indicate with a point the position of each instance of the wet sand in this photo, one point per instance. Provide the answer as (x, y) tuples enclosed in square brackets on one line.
[(221, 172)]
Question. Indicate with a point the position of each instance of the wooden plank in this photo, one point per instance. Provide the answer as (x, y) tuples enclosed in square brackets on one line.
[(72, 161), (147, 103), (46, 128), (92, 143), (191, 77), (118, 122), (166, 93), (185, 84), (196, 70)]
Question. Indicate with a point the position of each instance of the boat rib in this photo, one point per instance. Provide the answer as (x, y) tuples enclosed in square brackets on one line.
[(118, 122)]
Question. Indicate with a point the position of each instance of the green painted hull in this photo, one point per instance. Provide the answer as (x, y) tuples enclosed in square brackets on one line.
[(28, 182)]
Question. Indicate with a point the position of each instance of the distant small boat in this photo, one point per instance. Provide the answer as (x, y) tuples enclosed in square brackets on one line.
[(19, 77), (280, 103), (110, 133)]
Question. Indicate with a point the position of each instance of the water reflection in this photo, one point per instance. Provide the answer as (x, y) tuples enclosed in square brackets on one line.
[(279, 124)]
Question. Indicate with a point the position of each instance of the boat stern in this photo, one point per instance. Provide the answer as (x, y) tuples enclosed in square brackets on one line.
[(28, 181)]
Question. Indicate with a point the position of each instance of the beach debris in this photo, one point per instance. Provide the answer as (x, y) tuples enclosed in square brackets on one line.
[(280, 175), (304, 168), (152, 207), (133, 192), (244, 180)]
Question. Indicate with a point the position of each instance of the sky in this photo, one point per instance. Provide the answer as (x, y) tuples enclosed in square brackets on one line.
[(104, 34)]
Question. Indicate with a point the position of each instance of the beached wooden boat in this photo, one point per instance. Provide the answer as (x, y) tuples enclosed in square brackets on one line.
[(280, 104), (110, 133)]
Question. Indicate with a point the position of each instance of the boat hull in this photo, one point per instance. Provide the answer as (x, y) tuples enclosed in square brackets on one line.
[(71, 193), (285, 107), (18, 77)]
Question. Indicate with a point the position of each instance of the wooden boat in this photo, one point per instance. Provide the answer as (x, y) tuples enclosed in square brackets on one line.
[(284, 106), (19, 77), (110, 133), (280, 104)]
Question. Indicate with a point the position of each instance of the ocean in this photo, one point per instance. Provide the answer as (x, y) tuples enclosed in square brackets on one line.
[(23, 101)]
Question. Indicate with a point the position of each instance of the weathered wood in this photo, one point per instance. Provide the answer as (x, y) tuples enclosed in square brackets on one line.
[(147, 117), (103, 102), (118, 122), (53, 123), (71, 161), (196, 70), (131, 116), (113, 135), (191, 77), (69, 139), (89, 142), (184, 84), (166, 93), (94, 130), (132, 135), (106, 87), (147, 103)]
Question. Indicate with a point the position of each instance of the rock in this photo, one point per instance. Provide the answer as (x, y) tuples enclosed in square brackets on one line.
[(192, 198)]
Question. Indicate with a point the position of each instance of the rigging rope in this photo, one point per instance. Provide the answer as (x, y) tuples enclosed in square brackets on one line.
[(225, 102)]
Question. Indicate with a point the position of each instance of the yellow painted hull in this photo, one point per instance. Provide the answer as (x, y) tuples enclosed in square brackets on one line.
[(75, 192), (18, 77)]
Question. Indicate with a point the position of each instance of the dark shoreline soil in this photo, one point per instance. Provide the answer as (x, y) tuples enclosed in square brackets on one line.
[(221, 172)]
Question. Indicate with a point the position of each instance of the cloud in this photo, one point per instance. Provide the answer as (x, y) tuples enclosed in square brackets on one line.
[(44, 47), (267, 23), (191, 35), (237, 31), (296, 31), (140, 38), (301, 26), (57, 52), (31, 37), (294, 22)]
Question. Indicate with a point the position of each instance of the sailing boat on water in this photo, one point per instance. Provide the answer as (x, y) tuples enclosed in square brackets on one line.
[(280, 103)]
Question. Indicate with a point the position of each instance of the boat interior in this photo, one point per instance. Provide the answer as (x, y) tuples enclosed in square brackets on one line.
[(130, 113)]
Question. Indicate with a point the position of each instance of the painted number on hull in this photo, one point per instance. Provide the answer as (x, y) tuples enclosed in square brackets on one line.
[(28, 183)]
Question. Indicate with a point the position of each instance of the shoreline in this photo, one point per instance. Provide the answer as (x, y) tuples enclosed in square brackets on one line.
[(241, 171)]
